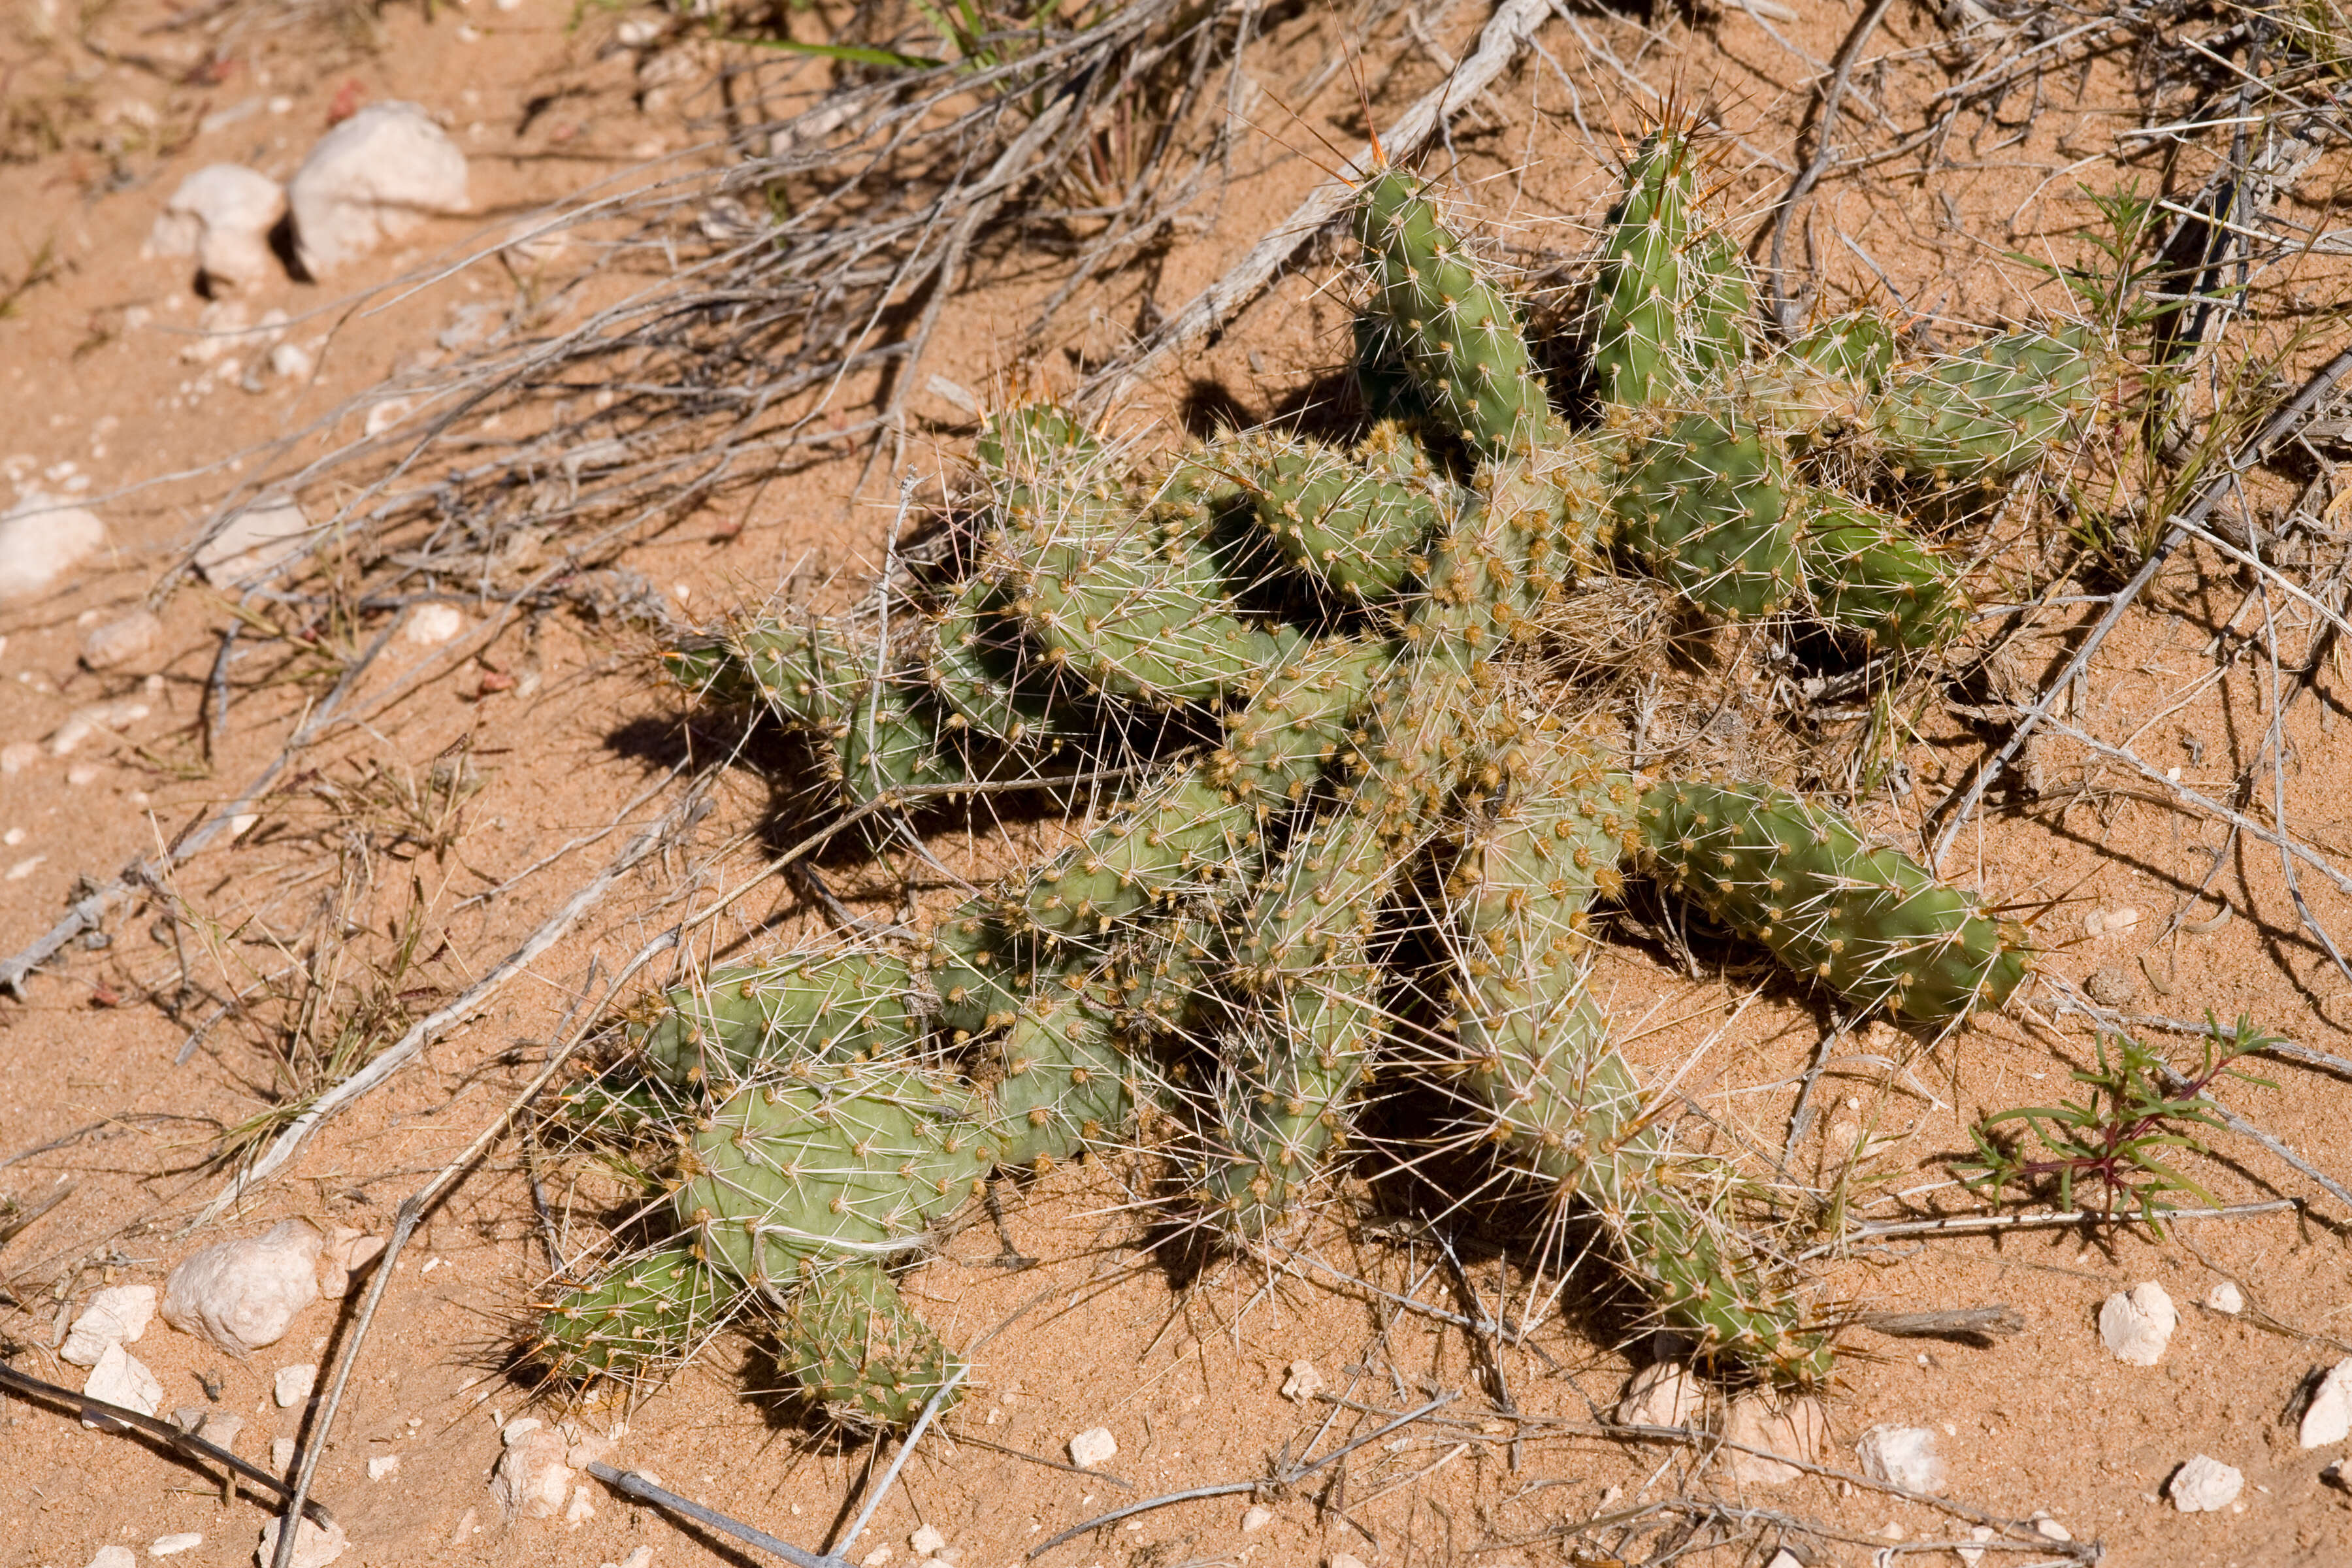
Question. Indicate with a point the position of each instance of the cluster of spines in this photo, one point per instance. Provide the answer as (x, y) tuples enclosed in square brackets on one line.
[(1868, 922)]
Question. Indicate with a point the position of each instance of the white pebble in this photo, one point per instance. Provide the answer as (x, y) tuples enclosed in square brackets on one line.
[(531, 1481), (1974, 1556), (1093, 1447), (2226, 1298), (119, 1378), (19, 755), (114, 1557), (1664, 1393), (1303, 1384), (313, 1547), (636, 32), (2204, 1485), (925, 1541), (2328, 1418), (875, 1558), (221, 215), (173, 1545), (1256, 1517), (217, 1427), (294, 1383), (252, 541), (430, 626), (115, 1316), (291, 361), (2136, 1325), (242, 1295), (98, 717), (580, 1509), (43, 538), (2050, 1529), (281, 1456), (371, 179), (120, 640), (1798, 1430), (1784, 1558), (1343, 1560), (1902, 1457), (643, 1557), (382, 1465)]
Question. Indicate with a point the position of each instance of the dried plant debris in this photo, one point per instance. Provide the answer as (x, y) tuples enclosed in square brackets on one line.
[(1382, 858)]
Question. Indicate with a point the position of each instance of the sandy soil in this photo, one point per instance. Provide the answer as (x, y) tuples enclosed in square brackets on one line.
[(115, 1084)]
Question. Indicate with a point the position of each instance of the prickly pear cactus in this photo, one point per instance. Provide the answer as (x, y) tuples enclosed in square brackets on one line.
[(1309, 697)]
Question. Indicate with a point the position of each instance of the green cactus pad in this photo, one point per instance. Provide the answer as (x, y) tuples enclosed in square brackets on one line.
[(1181, 835), (833, 1004), (644, 1316), (807, 675), (1352, 522), (1065, 1081), (1705, 502), (1991, 412), (1873, 924), (992, 685), (1460, 334), (1871, 576), (850, 1342), (853, 1159), (1673, 300)]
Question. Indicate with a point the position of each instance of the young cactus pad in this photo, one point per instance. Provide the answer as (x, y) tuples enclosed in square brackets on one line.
[(1352, 758)]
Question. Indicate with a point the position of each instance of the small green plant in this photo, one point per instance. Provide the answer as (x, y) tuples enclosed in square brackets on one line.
[(2122, 1139)]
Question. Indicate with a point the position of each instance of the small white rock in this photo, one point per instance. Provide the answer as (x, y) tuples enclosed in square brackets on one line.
[(217, 1427), (636, 32), (1093, 1447), (281, 1457), (313, 1547), (114, 1557), (242, 1295), (2226, 1297), (42, 538), (1303, 1384), (2050, 1529), (1343, 1560), (347, 1252), (120, 640), (643, 1557), (294, 1383), (925, 1541), (119, 1378), (97, 719), (532, 1481), (2136, 1325), (1902, 1457), (115, 1316), (291, 361), (252, 541), (875, 1558), (580, 1509), (1974, 1556), (2328, 1418), (19, 755), (1784, 1558), (221, 215), (371, 179), (1662, 1393), (1256, 1517), (1796, 1430), (430, 626), (173, 1545), (382, 1465), (2204, 1485)]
